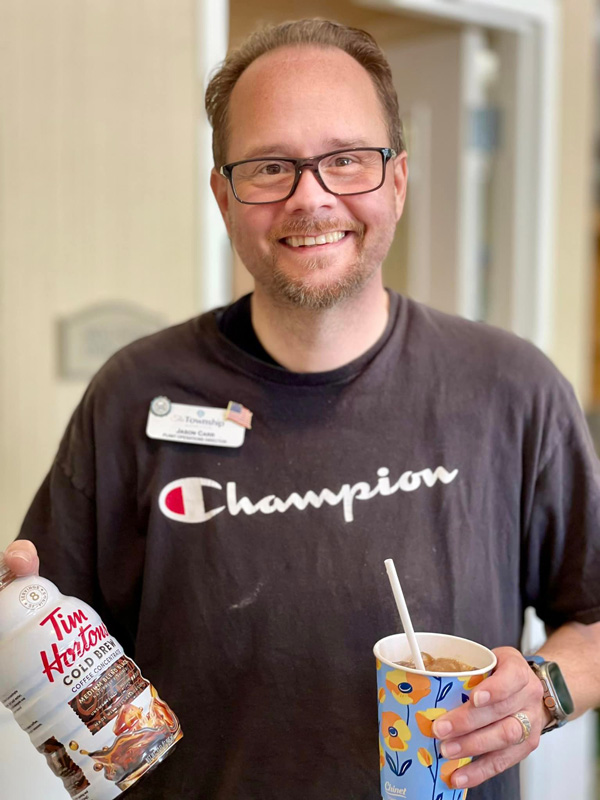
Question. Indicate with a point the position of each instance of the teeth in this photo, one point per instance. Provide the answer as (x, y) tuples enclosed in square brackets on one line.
[(307, 241)]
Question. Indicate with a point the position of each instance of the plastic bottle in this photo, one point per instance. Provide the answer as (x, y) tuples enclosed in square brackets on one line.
[(85, 705)]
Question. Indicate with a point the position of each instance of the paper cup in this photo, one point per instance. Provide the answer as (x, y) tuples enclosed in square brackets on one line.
[(410, 701)]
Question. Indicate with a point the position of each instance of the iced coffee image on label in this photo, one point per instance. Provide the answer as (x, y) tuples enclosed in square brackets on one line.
[(144, 727), (63, 766), (143, 736)]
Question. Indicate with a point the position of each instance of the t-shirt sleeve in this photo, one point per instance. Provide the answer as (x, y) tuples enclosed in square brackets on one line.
[(562, 542), (61, 520)]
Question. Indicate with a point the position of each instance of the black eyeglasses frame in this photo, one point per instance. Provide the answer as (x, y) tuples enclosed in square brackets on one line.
[(312, 164)]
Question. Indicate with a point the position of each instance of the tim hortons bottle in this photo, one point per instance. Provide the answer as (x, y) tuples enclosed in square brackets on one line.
[(85, 705)]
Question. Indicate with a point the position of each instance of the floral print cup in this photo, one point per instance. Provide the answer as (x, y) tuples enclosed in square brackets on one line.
[(410, 701)]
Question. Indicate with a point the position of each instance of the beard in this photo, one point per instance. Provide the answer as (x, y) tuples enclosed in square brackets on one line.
[(314, 290), (305, 292)]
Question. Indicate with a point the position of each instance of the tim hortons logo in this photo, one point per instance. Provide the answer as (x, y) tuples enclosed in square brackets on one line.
[(87, 637)]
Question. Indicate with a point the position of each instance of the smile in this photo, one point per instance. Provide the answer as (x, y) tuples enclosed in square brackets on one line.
[(309, 241)]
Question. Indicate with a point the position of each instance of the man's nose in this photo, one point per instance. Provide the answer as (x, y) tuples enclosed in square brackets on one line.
[(310, 195)]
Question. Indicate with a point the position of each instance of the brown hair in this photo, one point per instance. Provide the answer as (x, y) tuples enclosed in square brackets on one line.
[(357, 43)]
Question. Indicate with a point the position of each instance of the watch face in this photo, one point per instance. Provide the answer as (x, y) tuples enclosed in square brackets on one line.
[(560, 687)]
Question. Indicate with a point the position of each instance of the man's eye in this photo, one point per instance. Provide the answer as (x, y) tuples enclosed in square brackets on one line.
[(343, 161), (274, 168)]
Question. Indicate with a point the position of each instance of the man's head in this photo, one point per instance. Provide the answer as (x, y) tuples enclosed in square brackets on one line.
[(299, 101), (316, 32)]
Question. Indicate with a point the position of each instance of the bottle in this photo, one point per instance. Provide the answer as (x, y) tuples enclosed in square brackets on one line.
[(85, 705)]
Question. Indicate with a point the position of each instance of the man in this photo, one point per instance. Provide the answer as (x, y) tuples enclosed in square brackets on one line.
[(248, 582)]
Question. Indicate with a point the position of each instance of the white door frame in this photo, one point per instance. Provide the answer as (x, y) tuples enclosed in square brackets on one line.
[(213, 253)]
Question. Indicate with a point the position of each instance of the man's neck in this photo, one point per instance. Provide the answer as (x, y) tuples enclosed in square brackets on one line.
[(307, 340)]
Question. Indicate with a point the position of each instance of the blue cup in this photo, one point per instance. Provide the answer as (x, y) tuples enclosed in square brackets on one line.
[(410, 700)]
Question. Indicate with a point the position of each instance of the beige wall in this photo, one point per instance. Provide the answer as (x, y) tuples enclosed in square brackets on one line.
[(386, 26), (97, 196), (571, 346)]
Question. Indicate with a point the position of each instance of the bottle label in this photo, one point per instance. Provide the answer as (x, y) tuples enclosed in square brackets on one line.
[(33, 597), (86, 706), (100, 703), (83, 637)]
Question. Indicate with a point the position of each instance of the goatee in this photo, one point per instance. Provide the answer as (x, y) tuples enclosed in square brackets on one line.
[(300, 292)]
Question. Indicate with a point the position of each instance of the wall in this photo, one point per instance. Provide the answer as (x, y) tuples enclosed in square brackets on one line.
[(571, 347), (97, 197)]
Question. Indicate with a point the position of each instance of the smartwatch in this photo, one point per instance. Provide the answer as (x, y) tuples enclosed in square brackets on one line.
[(557, 697)]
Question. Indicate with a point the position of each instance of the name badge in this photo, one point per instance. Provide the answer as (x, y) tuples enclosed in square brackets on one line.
[(177, 422)]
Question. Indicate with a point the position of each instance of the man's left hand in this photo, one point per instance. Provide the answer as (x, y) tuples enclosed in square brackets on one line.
[(485, 726)]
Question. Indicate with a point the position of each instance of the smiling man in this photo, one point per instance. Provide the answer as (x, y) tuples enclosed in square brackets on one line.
[(245, 574), (316, 250)]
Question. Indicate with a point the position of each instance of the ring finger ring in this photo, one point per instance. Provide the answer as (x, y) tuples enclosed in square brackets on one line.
[(522, 717)]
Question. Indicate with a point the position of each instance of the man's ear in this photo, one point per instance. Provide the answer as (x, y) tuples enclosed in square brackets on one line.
[(400, 182), (220, 188)]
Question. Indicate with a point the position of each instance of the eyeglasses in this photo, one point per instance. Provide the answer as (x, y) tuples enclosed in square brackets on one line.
[(342, 172)]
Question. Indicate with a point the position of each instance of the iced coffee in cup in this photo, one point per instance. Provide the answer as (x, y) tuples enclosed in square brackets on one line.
[(410, 700)]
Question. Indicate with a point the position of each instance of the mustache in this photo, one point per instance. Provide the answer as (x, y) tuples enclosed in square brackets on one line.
[(309, 226)]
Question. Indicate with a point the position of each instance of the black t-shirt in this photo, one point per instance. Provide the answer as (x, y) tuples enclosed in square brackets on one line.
[(235, 323), (248, 583)]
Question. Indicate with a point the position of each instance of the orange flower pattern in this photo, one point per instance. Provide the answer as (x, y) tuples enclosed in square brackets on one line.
[(470, 681), (424, 757), (395, 732), (406, 738), (425, 720), (450, 767), (406, 687)]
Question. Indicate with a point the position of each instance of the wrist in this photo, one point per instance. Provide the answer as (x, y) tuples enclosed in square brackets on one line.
[(557, 700)]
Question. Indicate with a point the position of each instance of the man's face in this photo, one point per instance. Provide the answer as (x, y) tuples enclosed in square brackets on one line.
[(301, 102)]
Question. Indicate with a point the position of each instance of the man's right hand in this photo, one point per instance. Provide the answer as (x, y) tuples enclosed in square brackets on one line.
[(22, 558)]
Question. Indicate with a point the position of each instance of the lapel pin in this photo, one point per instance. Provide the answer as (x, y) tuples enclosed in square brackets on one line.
[(236, 412)]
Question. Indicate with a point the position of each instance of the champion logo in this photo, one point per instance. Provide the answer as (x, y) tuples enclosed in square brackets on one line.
[(184, 499)]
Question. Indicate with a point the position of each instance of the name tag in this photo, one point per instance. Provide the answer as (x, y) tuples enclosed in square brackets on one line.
[(177, 422)]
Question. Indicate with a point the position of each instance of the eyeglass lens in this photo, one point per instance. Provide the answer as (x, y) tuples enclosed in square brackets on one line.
[(270, 180)]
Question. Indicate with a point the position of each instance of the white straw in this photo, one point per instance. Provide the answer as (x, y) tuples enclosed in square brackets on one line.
[(404, 615)]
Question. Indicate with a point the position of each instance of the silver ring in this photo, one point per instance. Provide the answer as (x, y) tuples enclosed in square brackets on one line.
[(522, 717)]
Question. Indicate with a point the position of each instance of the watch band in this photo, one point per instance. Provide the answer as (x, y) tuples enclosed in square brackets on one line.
[(557, 697)]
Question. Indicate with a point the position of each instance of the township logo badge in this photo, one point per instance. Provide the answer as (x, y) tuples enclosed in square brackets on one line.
[(160, 406)]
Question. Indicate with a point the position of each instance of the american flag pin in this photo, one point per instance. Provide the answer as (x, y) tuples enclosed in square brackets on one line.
[(236, 412)]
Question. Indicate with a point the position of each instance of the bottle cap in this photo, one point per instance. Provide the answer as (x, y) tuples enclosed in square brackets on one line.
[(6, 574)]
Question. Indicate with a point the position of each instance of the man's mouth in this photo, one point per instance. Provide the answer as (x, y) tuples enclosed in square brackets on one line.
[(310, 241)]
